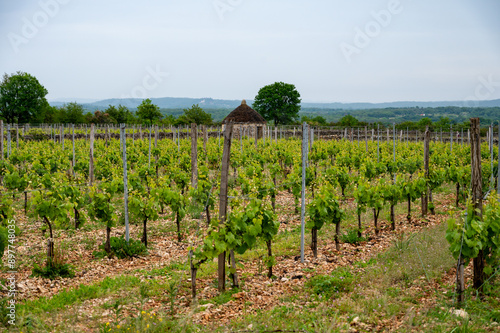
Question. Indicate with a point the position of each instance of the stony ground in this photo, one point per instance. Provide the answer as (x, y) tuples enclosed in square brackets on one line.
[(257, 292)]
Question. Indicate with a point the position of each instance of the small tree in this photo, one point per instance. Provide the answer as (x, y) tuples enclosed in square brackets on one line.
[(348, 121), (22, 97), (120, 114), (195, 114), (101, 117), (72, 113), (279, 102), (148, 112)]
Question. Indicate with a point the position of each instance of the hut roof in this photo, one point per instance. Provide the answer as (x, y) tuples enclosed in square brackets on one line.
[(244, 114)]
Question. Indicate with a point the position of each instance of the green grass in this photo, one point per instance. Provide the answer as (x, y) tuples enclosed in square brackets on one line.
[(167, 270), (122, 249), (339, 281), (377, 290), (223, 298), (80, 294), (352, 237), (52, 270)]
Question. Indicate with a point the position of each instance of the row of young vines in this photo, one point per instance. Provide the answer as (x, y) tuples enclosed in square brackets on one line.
[(55, 184)]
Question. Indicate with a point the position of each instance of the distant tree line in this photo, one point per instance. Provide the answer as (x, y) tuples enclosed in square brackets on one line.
[(22, 100), (410, 116), (444, 123), (147, 113)]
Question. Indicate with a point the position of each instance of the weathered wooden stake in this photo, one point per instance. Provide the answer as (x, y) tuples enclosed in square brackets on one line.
[(194, 156), (226, 152), (73, 140), (303, 204), (123, 138), (205, 137), (425, 195), (8, 140), (149, 155), (256, 135), (477, 197), (156, 155), (91, 160), (460, 281), (25, 202), (366, 138), (1, 139)]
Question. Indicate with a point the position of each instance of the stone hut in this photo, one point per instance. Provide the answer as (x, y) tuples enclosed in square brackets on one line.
[(246, 121)]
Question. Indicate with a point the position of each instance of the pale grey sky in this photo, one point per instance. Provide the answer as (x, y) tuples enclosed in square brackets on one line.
[(332, 50)]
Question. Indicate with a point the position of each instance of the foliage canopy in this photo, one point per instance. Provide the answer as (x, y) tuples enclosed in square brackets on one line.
[(195, 114), (22, 98), (148, 112), (279, 102)]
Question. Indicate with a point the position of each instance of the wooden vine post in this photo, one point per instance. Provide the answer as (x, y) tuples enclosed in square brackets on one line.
[(393, 215), (205, 137), (226, 152), (477, 198), (256, 135), (149, 154), (498, 172), (303, 192), (156, 155), (73, 141), (123, 138), (106, 134), (425, 195), (194, 156), (366, 138), (8, 140), (1, 139), (91, 160)]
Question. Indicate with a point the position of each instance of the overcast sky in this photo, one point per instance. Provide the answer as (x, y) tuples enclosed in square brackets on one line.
[(332, 50)]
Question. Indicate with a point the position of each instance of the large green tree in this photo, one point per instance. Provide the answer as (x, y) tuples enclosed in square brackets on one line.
[(72, 113), (279, 102), (148, 112), (348, 121), (48, 115), (22, 98), (120, 114), (195, 114)]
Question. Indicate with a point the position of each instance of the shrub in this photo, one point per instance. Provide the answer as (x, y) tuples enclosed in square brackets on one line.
[(53, 269), (340, 281), (352, 237), (121, 249)]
